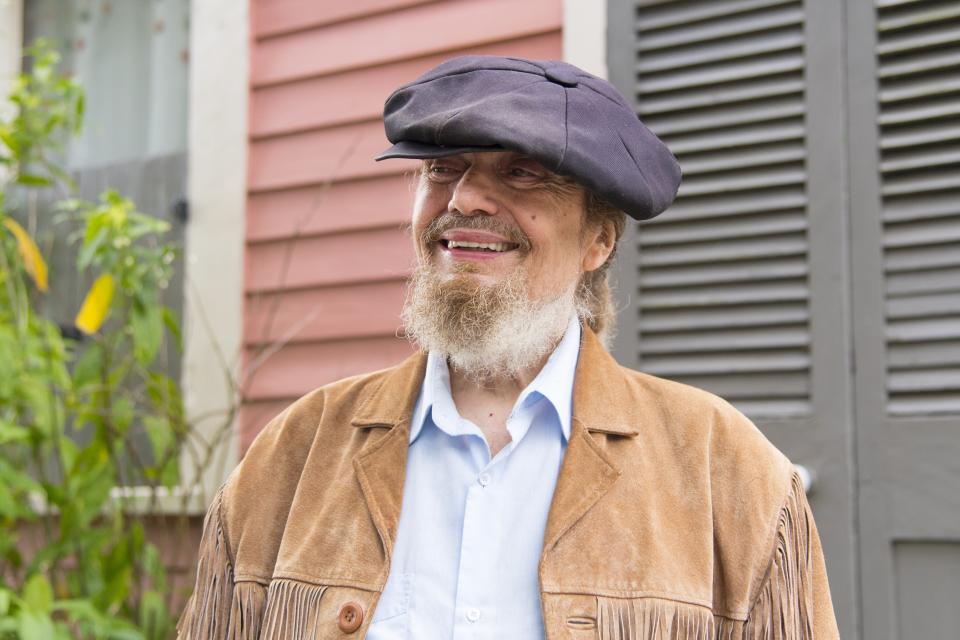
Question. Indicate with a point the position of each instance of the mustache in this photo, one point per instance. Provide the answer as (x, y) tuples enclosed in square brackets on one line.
[(447, 221)]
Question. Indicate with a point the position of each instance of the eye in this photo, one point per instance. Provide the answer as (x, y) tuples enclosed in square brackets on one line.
[(525, 171), (442, 171), (520, 172)]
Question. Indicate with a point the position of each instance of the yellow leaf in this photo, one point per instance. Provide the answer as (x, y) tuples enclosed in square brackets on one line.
[(95, 305), (32, 260)]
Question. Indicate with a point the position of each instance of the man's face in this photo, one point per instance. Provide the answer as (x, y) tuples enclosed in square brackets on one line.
[(522, 215)]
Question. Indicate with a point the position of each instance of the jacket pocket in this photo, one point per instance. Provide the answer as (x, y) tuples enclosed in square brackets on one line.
[(301, 610), (652, 619)]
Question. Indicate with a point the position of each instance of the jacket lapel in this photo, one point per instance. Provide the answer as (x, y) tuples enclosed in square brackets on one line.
[(587, 473), (381, 464)]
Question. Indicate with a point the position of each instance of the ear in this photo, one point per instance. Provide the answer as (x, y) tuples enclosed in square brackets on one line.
[(600, 240)]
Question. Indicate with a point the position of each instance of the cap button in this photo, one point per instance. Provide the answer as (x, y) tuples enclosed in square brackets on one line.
[(561, 75)]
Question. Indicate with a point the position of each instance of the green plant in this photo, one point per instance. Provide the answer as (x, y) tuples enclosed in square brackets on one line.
[(69, 408)]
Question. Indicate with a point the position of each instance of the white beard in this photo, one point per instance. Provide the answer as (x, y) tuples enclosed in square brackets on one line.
[(485, 332)]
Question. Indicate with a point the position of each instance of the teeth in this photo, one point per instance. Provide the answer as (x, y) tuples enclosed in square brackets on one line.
[(489, 246)]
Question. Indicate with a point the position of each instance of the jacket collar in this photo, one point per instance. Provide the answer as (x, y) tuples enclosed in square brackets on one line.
[(392, 401), (585, 475)]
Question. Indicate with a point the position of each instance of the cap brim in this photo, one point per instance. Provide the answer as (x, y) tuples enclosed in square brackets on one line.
[(423, 151)]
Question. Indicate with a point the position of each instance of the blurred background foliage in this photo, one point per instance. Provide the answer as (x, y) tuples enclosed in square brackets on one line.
[(75, 561)]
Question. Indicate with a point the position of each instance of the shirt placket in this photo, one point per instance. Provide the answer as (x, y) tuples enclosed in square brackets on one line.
[(476, 614)]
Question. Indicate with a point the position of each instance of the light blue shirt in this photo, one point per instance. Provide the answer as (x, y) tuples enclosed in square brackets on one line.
[(471, 528)]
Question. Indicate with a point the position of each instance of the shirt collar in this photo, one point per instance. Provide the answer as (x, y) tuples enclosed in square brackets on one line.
[(554, 382)]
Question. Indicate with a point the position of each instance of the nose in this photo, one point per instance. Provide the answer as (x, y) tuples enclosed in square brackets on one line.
[(474, 194)]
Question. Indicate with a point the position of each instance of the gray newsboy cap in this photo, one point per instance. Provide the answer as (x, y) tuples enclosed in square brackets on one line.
[(571, 122)]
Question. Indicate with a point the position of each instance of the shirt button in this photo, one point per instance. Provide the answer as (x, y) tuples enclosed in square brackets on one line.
[(473, 615), (484, 479)]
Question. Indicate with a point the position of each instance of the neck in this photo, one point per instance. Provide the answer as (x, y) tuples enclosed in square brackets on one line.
[(499, 388)]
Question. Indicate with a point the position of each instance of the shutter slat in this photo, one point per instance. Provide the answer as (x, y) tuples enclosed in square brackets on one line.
[(926, 353), (671, 14), (915, 259), (925, 39), (923, 330), (743, 181), (716, 29), (719, 52), (941, 280), (903, 405), (730, 362), (935, 205), (766, 133), (750, 272), (754, 386), (923, 306), (922, 88), (732, 250), (731, 294), (762, 111), (746, 226), (915, 19), (931, 379), (774, 407), (731, 205), (748, 93), (748, 159), (726, 341), (931, 232), (921, 159), (922, 113), (927, 63), (933, 181), (916, 136), (755, 315), (711, 76)]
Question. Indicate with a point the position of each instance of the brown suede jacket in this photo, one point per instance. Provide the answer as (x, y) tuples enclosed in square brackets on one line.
[(673, 517)]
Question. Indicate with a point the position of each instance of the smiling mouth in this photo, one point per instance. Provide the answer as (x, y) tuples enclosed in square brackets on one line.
[(479, 247)]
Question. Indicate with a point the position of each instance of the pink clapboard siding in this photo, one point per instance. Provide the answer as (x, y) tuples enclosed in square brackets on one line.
[(327, 249)]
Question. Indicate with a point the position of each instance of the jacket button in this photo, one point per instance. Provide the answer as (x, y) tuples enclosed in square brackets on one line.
[(350, 617)]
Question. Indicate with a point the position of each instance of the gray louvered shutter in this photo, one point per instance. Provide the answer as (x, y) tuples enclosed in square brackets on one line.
[(722, 295), (918, 57)]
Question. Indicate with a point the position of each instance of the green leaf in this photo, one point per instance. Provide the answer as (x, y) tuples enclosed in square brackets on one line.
[(29, 180), (10, 432), (68, 453), (90, 246), (4, 602), (122, 411), (38, 594), (173, 327), (39, 397), (170, 474), (147, 325), (160, 434), (154, 617), (36, 626), (11, 143), (88, 368)]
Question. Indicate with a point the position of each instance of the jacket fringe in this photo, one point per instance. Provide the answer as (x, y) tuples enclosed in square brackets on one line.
[(246, 612), (782, 608), (294, 610), (208, 612), (652, 619)]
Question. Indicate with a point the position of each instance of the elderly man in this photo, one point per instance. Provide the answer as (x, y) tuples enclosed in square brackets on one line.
[(511, 480)]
